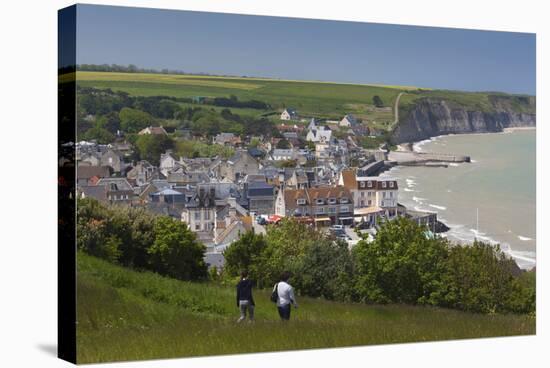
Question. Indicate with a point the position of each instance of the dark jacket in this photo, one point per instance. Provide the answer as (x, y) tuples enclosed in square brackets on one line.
[(244, 291)]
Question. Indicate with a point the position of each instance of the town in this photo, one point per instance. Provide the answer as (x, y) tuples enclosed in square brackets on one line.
[(307, 173)]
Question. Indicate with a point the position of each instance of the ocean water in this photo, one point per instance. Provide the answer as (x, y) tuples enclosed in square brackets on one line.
[(493, 198)]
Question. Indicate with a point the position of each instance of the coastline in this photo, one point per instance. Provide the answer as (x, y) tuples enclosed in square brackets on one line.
[(459, 232)]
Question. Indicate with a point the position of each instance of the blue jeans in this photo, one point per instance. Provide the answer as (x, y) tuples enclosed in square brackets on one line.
[(284, 312)]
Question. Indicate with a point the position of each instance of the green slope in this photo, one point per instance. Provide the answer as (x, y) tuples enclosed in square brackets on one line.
[(126, 315)]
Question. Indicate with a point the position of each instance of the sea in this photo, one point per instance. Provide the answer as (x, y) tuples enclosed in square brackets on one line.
[(492, 198)]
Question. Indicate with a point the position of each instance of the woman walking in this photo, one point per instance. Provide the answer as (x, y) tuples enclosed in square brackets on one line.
[(245, 301), (285, 296)]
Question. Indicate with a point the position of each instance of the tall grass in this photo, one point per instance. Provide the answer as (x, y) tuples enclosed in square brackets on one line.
[(126, 315)]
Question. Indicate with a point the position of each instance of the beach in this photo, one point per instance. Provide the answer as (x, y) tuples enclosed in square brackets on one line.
[(492, 198)]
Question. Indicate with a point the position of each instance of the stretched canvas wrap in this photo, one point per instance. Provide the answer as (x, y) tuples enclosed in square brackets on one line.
[(236, 184)]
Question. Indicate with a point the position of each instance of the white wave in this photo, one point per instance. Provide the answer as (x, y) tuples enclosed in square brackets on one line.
[(410, 182), (524, 238), (408, 190), (418, 199), (473, 161), (442, 208), (453, 164)]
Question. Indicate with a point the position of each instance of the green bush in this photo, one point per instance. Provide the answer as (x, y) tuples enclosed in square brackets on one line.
[(135, 238)]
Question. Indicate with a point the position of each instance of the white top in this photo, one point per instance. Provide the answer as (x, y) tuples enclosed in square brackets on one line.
[(285, 294)]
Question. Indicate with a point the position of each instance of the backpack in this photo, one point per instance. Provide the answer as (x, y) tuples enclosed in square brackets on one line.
[(274, 294)]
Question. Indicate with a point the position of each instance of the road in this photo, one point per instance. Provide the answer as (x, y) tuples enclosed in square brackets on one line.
[(396, 108)]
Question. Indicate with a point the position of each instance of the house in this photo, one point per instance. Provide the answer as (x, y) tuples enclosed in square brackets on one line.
[(153, 130), (227, 139), (182, 177), (238, 166), (348, 121), (261, 197), (112, 159), (230, 225), (118, 190), (280, 154), (142, 173), (199, 214), (298, 180), (289, 114), (89, 159), (167, 195), (322, 135), (371, 192), (97, 192), (168, 162), (326, 205), (90, 175)]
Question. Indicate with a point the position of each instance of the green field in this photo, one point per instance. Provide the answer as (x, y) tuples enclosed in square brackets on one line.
[(322, 99), (126, 315)]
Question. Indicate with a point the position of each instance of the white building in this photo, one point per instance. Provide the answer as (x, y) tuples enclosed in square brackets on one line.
[(322, 135), (289, 114), (348, 121)]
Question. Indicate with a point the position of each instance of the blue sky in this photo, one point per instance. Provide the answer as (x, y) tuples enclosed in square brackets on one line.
[(307, 49)]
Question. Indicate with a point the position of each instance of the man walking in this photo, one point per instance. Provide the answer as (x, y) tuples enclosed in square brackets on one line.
[(245, 301), (285, 296)]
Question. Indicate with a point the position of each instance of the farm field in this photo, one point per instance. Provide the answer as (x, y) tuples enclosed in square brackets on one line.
[(127, 315), (321, 99)]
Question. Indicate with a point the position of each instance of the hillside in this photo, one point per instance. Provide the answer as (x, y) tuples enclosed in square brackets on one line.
[(126, 315), (423, 113)]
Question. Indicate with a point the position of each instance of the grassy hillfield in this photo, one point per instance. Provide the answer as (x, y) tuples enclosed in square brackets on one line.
[(126, 315), (311, 98), (323, 99)]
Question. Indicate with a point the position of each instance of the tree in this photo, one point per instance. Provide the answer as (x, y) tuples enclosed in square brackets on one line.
[(132, 120), (244, 254), (254, 142), (150, 146), (326, 271), (287, 244), (101, 135), (401, 265), (479, 278), (176, 252), (283, 144), (377, 101), (110, 122)]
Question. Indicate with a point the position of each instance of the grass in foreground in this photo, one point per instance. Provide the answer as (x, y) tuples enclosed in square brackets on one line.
[(127, 315)]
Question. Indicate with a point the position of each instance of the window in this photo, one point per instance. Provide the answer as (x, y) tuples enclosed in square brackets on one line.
[(383, 184), (391, 194), (332, 210), (344, 208), (369, 184), (362, 184), (391, 184), (197, 227), (383, 194), (370, 202), (362, 203), (332, 200), (319, 201), (207, 215), (343, 200), (197, 216), (301, 201), (362, 194), (319, 210)]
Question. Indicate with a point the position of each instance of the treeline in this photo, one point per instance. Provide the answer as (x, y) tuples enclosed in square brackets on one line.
[(114, 111), (140, 240), (130, 68), (402, 265)]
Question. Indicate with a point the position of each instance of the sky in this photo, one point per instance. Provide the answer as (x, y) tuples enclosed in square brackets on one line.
[(304, 49)]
